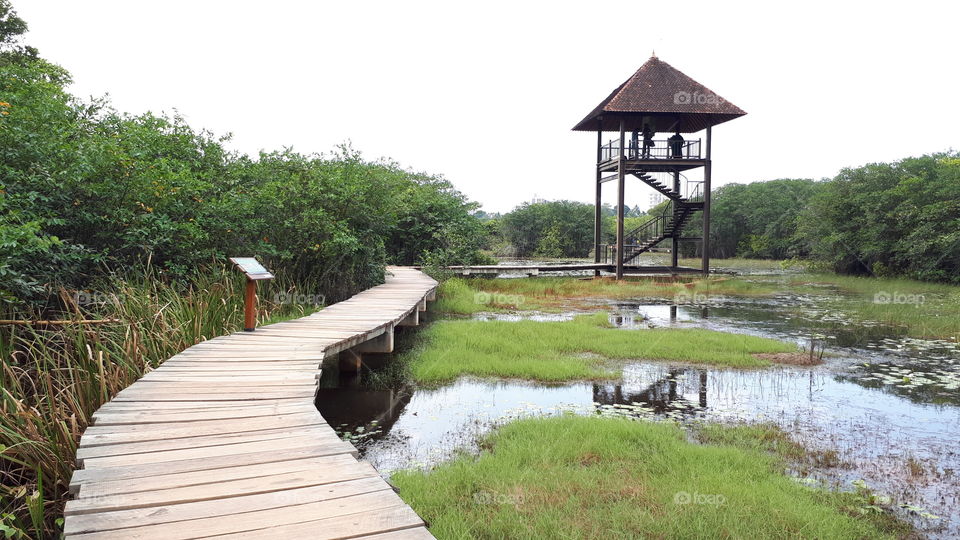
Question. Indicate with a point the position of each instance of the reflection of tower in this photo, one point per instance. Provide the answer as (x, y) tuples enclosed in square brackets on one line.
[(662, 395), (703, 389)]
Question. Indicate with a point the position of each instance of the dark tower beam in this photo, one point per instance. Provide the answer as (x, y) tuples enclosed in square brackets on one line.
[(597, 215), (621, 188), (706, 207)]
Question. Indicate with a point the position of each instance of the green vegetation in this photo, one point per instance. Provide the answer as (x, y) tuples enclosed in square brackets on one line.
[(466, 296), (570, 350), (881, 219), (554, 229), (549, 229), (767, 437), (921, 309), (889, 219), (53, 378), (85, 189), (581, 477), (111, 215), (758, 220)]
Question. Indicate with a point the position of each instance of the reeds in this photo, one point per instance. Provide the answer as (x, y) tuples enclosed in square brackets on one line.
[(52, 378)]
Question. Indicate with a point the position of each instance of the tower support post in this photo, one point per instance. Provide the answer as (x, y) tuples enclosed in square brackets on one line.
[(705, 243), (597, 217), (675, 241), (621, 188)]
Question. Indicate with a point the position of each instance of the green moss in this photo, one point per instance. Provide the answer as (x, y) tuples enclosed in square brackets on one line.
[(582, 477)]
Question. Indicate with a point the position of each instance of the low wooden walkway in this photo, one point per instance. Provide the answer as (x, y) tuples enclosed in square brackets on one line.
[(223, 440)]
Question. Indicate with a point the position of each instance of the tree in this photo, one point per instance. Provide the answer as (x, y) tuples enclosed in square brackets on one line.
[(903, 217), (569, 223), (12, 29)]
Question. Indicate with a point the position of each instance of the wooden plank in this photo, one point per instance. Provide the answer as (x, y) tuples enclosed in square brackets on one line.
[(325, 465), (81, 476), (216, 397), (268, 409), (138, 447), (198, 518), (97, 436), (298, 441), (373, 519), (416, 533), (267, 483)]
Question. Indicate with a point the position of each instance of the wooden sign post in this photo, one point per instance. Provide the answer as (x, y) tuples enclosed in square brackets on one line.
[(254, 272)]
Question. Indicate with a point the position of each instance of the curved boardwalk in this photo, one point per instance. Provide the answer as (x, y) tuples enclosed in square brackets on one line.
[(223, 440)]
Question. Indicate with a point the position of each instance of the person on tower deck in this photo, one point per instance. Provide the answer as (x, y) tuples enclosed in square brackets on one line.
[(647, 140), (676, 146)]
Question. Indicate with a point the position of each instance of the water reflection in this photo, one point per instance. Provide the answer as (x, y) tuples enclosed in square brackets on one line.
[(660, 396)]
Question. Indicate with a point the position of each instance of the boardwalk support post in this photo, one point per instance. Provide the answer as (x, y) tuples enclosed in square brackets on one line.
[(413, 319), (351, 359)]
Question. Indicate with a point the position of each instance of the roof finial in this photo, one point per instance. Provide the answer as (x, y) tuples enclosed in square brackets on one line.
[(654, 54)]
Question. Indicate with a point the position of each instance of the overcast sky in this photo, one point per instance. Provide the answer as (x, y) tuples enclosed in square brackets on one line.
[(485, 93)]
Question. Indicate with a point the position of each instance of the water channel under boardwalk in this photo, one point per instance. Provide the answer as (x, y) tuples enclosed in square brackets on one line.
[(880, 400)]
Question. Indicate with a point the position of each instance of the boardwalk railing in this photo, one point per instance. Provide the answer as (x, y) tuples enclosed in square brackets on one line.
[(224, 438)]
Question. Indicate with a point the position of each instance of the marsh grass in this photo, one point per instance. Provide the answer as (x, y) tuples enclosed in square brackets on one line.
[(774, 265), (53, 379), (935, 315), (581, 349), (467, 296), (588, 477), (922, 309)]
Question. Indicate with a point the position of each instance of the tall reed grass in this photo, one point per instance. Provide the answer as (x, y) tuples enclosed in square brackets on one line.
[(53, 378)]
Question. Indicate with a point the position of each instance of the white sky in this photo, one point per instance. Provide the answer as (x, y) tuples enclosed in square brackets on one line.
[(485, 93)]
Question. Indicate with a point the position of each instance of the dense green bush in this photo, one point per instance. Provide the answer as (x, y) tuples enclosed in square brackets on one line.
[(553, 229), (757, 220), (900, 218), (85, 190)]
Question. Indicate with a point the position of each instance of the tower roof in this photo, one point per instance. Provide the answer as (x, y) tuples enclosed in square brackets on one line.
[(659, 91)]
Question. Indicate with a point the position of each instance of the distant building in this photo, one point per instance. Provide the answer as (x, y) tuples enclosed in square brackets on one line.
[(655, 199)]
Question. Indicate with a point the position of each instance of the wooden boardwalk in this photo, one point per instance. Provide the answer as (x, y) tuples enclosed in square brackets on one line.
[(223, 440)]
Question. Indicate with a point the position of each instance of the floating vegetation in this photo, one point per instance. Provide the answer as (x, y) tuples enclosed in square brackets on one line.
[(358, 434)]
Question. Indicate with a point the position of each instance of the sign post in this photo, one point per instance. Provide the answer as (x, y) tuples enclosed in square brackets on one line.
[(255, 272)]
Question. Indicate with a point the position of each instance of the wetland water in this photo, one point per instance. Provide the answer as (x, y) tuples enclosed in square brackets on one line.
[(889, 405)]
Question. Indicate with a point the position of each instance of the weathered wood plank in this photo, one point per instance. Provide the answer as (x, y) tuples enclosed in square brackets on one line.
[(188, 518)]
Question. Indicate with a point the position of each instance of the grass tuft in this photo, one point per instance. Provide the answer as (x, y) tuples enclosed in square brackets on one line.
[(587, 477), (580, 349)]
